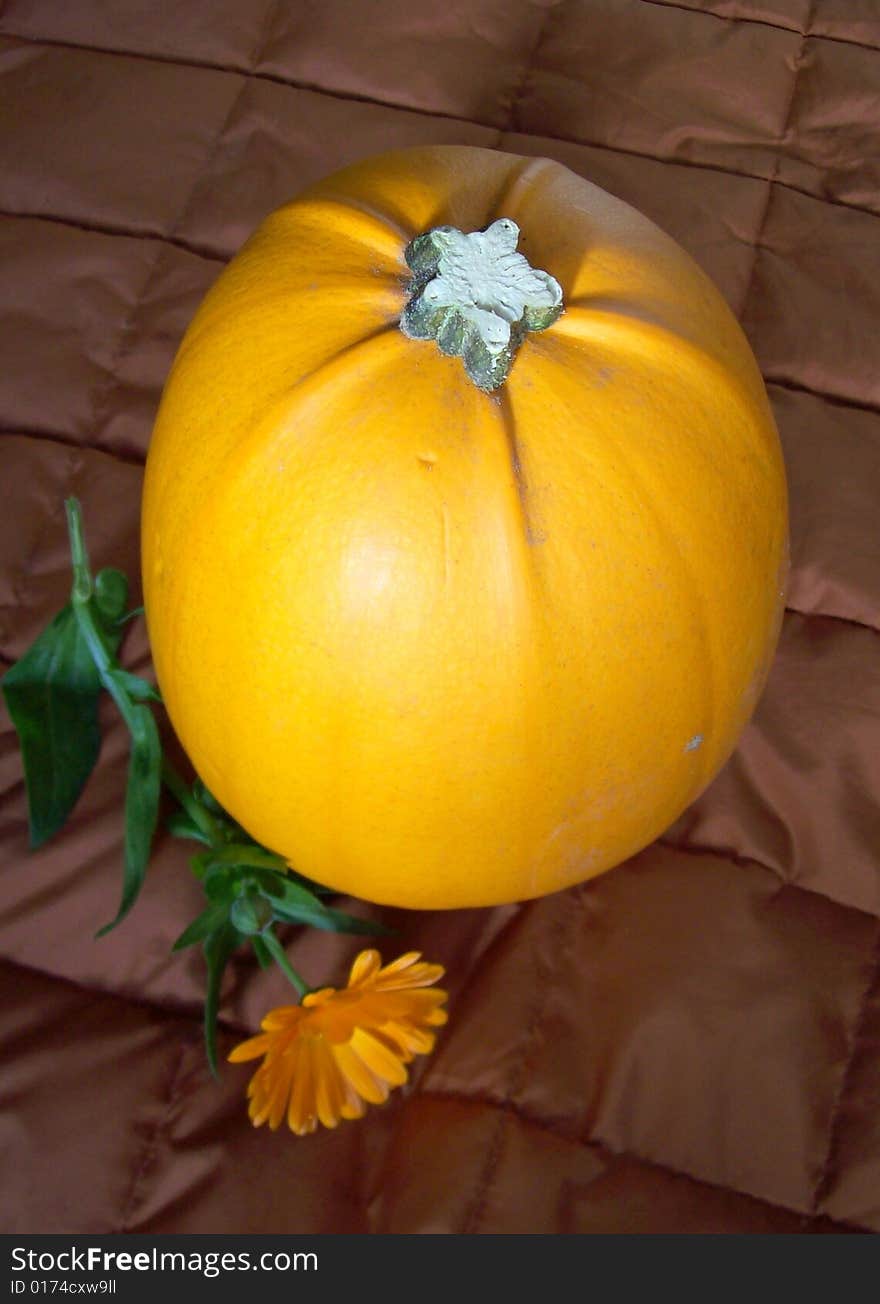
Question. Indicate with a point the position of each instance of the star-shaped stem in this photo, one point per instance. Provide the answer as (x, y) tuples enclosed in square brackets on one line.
[(477, 297)]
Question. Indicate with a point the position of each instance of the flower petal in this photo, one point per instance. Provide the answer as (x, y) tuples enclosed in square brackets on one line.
[(410, 1039), (301, 1109), (330, 1092), (366, 964), (378, 1058), (281, 1018), (280, 1093), (250, 1049), (361, 1079), (325, 1059), (413, 975)]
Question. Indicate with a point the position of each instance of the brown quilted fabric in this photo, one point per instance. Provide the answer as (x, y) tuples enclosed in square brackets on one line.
[(692, 1042)]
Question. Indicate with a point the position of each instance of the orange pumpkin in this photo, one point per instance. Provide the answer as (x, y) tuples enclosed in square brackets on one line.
[(451, 632)]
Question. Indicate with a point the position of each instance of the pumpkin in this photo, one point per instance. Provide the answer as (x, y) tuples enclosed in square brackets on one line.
[(464, 531)]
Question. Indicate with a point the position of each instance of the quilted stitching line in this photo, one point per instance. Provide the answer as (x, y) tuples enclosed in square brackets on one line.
[(839, 400), (721, 168), (554, 7), (553, 1128), (179, 1011), (118, 232), (765, 22), (773, 179), (741, 858), (245, 77), (150, 1151), (41, 435), (824, 1179), (352, 97), (565, 917), (124, 343)]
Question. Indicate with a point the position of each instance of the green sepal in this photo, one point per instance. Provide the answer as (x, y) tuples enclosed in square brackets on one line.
[(111, 595), (250, 913)]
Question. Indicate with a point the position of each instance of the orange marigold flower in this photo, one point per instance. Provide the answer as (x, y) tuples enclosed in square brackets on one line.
[(327, 1058)]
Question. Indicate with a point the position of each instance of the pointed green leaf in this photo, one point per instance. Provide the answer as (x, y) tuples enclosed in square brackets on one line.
[(195, 811), (52, 697), (250, 856), (219, 881), (141, 806), (280, 888), (331, 921), (207, 922), (200, 864), (219, 946), (296, 904), (180, 825), (138, 689)]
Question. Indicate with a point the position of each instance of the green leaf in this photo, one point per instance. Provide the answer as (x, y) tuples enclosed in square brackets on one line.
[(200, 864), (251, 856), (207, 922), (198, 815), (280, 888), (52, 697), (219, 946), (220, 882), (297, 905), (331, 921), (138, 689), (141, 806), (180, 825)]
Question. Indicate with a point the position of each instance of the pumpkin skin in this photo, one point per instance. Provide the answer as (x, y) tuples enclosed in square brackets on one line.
[(444, 648)]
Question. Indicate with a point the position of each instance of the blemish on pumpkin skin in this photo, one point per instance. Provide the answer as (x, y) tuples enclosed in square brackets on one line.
[(428, 460), (693, 743)]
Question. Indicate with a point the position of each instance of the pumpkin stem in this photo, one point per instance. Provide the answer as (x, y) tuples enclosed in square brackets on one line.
[(477, 297)]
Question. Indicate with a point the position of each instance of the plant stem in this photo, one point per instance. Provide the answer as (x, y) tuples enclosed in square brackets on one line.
[(81, 601), (276, 950), (82, 576), (202, 818)]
